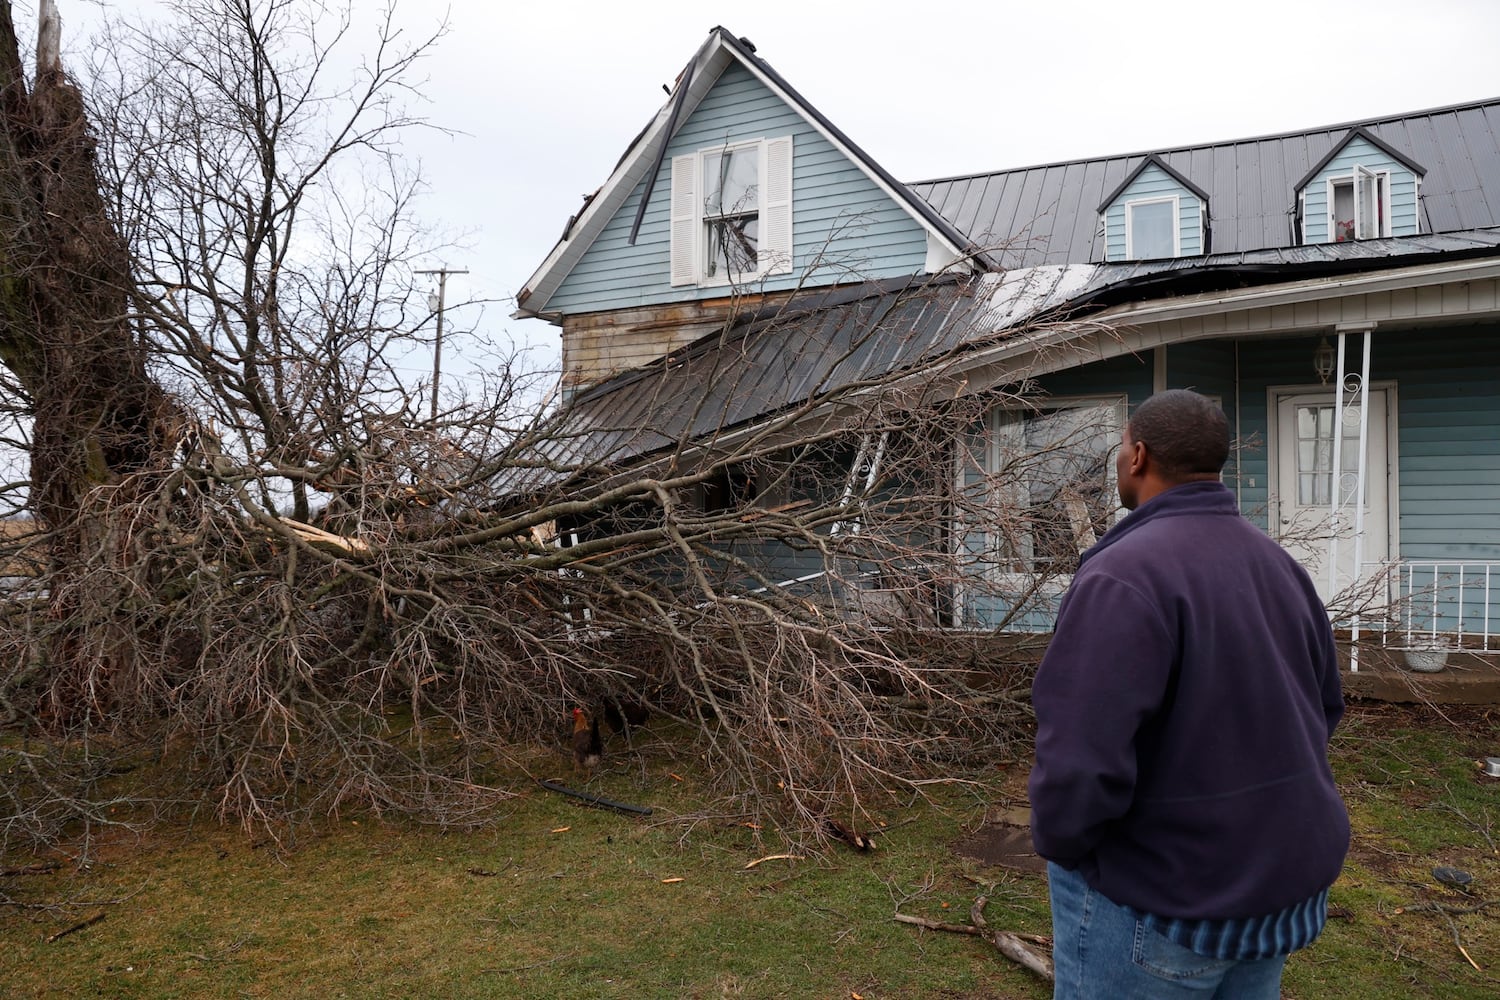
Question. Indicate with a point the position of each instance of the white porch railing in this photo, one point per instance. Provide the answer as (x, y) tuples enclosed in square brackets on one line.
[(1446, 604)]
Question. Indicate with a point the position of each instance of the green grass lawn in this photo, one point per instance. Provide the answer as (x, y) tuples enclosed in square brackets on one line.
[(555, 899)]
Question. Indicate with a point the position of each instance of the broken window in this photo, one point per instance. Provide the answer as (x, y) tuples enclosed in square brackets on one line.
[(1054, 493), (731, 210)]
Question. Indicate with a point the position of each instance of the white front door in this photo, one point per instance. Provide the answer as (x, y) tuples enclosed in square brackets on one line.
[(1302, 519)]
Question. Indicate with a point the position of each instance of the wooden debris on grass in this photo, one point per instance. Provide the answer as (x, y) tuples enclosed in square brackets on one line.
[(773, 857), (1448, 913), (838, 831), (1009, 943), (91, 921)]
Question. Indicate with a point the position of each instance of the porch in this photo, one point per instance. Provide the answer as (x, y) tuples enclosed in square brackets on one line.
[(1468, 678)]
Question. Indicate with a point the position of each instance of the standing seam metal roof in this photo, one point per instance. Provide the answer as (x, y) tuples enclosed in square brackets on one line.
[(1047, 214)]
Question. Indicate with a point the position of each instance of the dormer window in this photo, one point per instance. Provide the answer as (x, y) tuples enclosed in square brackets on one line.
[(1153, 214), (732, 213), (1362, 189), (1359, 205), (1151, 228)]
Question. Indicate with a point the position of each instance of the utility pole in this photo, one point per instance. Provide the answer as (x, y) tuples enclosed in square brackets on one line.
[(435, 303)]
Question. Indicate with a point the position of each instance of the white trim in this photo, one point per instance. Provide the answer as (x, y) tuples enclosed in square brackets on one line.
[(1384, 178), (1176, 203), (939, 257), (1308, 290)]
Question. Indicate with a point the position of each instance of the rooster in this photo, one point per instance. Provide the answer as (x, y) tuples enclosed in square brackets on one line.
[(588, 748)]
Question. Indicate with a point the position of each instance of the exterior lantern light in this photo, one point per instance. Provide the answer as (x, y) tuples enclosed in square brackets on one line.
[(1323, 360)]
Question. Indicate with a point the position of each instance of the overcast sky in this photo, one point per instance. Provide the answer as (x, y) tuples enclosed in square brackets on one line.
[(548, 93)]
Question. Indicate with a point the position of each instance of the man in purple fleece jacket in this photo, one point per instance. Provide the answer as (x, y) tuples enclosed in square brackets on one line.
[(1181, 793)]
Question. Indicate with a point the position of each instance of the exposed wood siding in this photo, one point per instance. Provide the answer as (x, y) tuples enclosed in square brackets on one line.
[(1155, 183), (844, 227), (1403, 191)]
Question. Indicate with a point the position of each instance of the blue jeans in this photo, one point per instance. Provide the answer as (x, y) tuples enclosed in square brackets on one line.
[(1102, 952)]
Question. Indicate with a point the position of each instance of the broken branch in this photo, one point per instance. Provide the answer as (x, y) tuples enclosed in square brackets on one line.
[(1009, 944), (91, 921)]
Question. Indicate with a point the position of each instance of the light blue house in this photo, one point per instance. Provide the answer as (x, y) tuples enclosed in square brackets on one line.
[(1337, 289)]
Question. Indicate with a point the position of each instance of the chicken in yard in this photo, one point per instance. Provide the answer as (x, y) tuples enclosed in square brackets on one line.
[(624, 714), (588, 748)]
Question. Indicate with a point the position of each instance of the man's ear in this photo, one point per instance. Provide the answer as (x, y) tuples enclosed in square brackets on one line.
[(1139, 458)]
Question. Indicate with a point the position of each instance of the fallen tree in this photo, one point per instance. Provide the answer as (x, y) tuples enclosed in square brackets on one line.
[(275, 586)]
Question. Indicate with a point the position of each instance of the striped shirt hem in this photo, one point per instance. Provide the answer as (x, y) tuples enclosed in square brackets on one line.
[(1248, 938)]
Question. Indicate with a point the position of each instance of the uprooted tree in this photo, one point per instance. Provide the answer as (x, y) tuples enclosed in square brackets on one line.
[(261, 568)]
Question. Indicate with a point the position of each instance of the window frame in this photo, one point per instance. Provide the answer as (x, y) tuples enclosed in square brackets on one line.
[(704, 249), (689, 247), (1382, 181), (1131, 204)]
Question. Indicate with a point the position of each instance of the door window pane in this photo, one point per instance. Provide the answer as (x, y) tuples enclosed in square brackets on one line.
[(1315, 454)]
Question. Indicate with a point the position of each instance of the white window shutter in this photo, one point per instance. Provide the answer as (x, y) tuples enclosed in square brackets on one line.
[(776, 228), (685, 219)]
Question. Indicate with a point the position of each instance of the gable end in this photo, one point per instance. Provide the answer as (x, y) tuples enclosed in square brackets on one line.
[(1359, 132)]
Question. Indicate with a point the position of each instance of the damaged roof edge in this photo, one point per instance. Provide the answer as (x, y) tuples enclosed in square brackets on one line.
[(602, 205), (961, 243)]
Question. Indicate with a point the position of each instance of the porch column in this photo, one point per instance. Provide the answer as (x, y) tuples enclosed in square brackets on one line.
[(1353, 389)]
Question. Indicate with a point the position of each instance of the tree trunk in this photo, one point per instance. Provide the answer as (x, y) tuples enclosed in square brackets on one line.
[(65, 282), (67, 337)]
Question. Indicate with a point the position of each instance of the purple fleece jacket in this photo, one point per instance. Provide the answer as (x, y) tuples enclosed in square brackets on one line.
[(1183, 711)]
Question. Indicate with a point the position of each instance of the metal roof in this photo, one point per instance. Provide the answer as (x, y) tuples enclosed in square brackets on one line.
[(823, 343), (1048, 214), (801, 354)]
